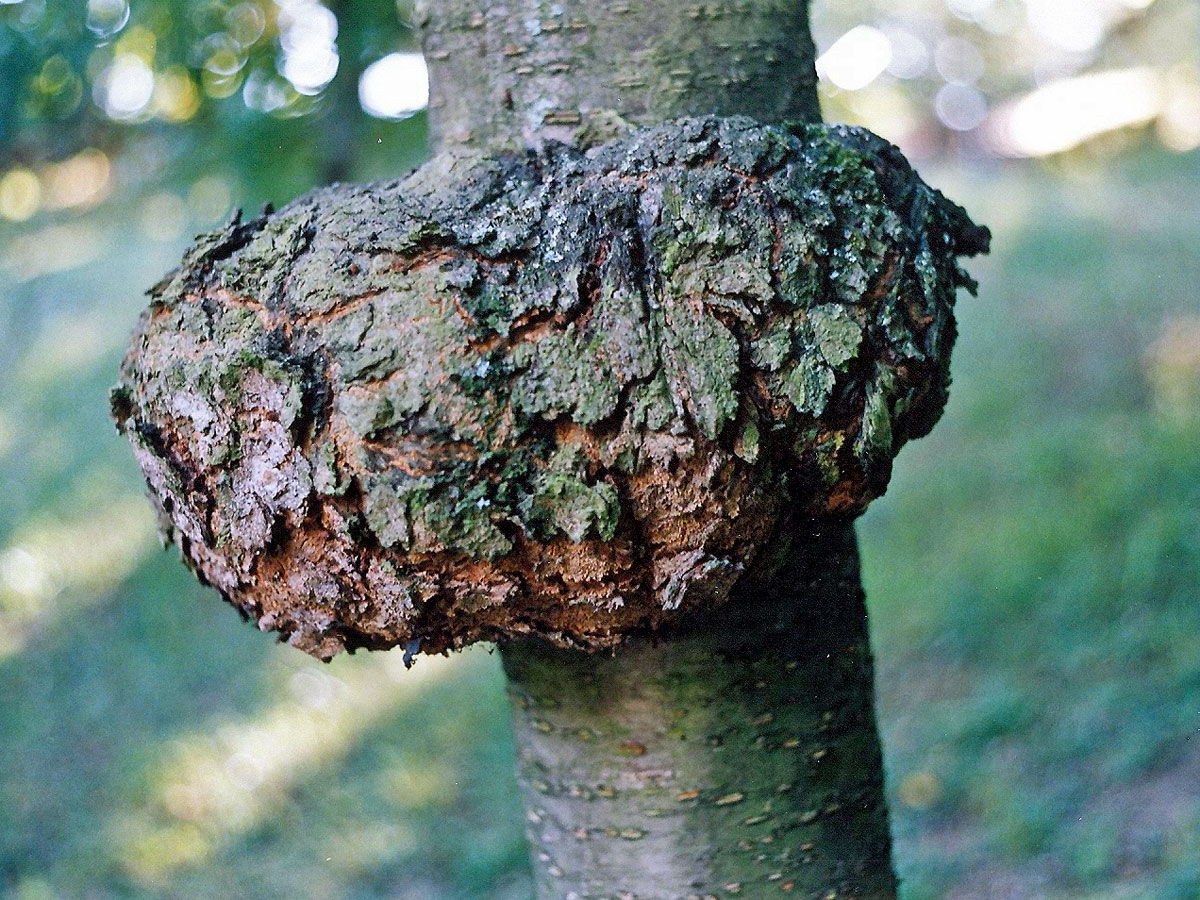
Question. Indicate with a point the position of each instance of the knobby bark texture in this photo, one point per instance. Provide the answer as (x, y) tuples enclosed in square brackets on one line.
[(739, 758), (616, 367), (514, 75), (567, 395)]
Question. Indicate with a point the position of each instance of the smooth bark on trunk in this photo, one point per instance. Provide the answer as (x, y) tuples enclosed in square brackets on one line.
[(515, 74), (738, 757)]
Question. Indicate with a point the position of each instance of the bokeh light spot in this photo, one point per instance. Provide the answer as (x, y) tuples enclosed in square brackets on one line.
[(246, 23), (1067, 112), (210, 199), (106, 17), (220, 86), (960, 107), (26, 575), (1179, 124), (124, 89), (970, 10), (959, 61), (920, 790), (1173, 369), (78, 182), (307, 34), (267, 92), (164, 216), (176, 98), (139, 41), (58, 88), (27, 15), (1076, 26), (910, 55), (20, 194), (856, 59), (57, 248), (222, 54), (395, 87)]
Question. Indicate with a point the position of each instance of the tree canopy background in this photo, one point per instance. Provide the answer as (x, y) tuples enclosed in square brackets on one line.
[(269, 90)]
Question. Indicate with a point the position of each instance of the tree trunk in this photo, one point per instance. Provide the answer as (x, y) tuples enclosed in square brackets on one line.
[(739, 757), (341, 131), (512, 75)]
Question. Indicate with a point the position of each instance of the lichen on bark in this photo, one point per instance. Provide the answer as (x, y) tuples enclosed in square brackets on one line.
[(564, 393)]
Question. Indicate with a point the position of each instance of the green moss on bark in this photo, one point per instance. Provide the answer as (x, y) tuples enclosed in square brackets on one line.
[(564, 393)]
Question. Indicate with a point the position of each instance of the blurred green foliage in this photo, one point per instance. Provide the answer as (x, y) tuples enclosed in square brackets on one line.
[(1034, 571), (223, 84), (230, 83), (1032, 575)]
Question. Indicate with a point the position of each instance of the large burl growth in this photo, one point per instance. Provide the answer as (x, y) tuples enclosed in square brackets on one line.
[(562, 394)]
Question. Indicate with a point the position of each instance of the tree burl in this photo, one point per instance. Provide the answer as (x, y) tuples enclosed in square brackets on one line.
[(571, 393)]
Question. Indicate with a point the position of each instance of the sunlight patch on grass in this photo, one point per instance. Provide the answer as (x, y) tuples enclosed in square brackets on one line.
[(8, 434), (68, 343), (56, 248), (52, 566), (222, 780), (1173, 369)]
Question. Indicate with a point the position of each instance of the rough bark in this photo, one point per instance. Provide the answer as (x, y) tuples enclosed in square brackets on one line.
[(515, 75), (571, 395), (738, 758), (627, 380)]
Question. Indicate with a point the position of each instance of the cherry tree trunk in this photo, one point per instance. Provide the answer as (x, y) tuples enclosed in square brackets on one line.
[(738, 756)]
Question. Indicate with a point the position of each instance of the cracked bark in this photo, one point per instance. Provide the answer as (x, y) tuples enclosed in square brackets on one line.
[(739, 757)]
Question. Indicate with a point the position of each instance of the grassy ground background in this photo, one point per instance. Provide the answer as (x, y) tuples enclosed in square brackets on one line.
[(1033, 576)]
